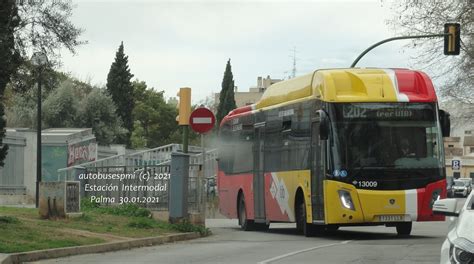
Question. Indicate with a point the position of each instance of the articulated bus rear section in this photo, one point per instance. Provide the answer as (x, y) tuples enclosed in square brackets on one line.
[(335, 148)]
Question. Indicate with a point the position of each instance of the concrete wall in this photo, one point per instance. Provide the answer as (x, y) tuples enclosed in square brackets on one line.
[(20, 164), (30, 164)]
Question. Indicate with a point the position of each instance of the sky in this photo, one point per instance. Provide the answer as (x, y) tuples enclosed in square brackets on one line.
[(173, 44)]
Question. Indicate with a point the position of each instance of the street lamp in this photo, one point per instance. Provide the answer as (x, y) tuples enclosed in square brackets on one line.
[(39, 60)]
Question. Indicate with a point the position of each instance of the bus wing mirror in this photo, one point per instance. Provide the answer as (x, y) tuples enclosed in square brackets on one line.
[(445, 120), (323, 125)]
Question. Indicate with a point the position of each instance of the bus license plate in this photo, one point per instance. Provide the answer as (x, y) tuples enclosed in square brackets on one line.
[(391, 218)]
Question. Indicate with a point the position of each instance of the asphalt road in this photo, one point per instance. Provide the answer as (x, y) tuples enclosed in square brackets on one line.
[(281, 244)]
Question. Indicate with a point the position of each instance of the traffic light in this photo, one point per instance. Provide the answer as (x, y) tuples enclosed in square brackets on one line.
[(184, 106), (452, 42)]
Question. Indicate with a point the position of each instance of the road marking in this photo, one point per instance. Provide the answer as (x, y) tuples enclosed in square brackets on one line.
[(302, 251)]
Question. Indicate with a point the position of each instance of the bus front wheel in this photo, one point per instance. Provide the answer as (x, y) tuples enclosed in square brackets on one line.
[(245, 224), (404, 229), (307, 229)]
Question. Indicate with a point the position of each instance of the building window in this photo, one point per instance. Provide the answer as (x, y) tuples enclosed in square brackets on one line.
[(450, 146), (471, 149), (467, 132), (471, 175), (456, 175)]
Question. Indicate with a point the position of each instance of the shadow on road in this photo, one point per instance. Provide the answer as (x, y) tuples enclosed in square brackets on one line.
[(348, 234)]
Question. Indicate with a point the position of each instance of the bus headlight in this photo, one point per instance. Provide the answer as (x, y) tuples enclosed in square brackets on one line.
[(346, 199)]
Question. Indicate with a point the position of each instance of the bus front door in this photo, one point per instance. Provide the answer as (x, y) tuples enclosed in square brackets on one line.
[(317, 174), (258, 175)]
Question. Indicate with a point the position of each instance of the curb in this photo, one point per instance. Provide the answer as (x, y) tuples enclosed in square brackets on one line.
[(4, 258), (90, 249)]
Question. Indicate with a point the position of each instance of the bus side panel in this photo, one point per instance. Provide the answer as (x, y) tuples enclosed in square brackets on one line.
[(229, 186), (280, 193)]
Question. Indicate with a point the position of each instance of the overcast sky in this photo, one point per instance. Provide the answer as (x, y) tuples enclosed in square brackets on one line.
[(172, 44)]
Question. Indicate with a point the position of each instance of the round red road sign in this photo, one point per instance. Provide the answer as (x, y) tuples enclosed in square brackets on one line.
[(202, 120)]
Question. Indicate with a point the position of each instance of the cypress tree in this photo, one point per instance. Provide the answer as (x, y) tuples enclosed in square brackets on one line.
[(9, 61), (120, 88), (226, 96)]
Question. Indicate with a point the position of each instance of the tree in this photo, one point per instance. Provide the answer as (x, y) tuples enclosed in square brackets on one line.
[(226, 96), (71, 103), (120, 88), (61, 107), (27, 26), (154, 118), (414, 17), (10, 59), (97, 110)]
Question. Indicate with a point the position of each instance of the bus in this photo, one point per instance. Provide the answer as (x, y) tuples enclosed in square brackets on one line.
[(336, 147)]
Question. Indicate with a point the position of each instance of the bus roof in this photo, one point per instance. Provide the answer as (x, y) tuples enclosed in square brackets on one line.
[(353, 85), (348, 85)]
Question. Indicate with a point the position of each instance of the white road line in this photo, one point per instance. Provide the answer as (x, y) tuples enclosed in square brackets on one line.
[(301, 251)]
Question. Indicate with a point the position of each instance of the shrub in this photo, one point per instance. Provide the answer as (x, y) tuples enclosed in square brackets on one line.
[(142, 223), (188, 227), (9, 220)]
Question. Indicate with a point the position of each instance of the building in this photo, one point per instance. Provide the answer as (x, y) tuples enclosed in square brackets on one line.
[(61, 147), (468, 145), (254, 93), (453, 146), (459, 153)]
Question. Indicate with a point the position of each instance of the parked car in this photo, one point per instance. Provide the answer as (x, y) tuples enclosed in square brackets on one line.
[(468, 182), (459, 244), (461, 187)]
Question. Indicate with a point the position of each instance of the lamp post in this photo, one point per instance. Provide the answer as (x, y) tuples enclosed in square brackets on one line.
[(39, 60)]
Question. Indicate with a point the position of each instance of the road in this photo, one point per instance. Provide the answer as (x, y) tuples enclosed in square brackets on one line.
[(281, 244)]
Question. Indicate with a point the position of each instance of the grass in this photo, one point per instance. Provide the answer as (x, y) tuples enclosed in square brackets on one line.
[(21, 229), (20, 236)]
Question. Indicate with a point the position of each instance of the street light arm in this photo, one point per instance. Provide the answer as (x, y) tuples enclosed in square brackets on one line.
[(392, 39)]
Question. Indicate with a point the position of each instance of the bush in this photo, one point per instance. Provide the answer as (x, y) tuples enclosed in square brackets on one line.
[(9, 220), (87, 204), (142, 223), (188, 227), (128, 210), (121, 210)]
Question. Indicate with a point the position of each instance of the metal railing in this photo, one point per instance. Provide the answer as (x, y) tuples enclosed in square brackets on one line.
[(156, 156), (152, 162)]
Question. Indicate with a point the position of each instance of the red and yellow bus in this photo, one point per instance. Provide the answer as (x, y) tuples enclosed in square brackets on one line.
[(336, 147)]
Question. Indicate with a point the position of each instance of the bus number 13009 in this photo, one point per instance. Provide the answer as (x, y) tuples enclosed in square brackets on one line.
[(366, 184)]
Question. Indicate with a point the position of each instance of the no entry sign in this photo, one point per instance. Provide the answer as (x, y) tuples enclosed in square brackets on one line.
[(202, 120)]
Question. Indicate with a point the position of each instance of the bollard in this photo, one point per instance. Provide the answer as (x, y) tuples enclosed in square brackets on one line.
[(178, 192)]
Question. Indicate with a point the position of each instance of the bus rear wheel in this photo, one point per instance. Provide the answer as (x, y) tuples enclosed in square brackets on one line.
[(245, 224), (404, 229)]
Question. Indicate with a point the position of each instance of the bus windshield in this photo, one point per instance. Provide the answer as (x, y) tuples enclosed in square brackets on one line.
[(385, 135)]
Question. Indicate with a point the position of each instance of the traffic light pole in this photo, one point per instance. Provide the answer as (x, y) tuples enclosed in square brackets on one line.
[(185, 138), (395, 38)]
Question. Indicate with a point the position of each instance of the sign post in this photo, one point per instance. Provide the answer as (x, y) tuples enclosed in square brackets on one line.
[(202, 120)]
